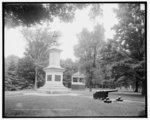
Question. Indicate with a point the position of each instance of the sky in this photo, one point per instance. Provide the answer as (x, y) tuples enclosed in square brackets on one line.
[(15, 44)]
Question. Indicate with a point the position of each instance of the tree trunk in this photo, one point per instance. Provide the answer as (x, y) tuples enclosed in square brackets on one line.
[(144, 87), (94, 65), (90, 89), (90, 85), (136, 86), (35, 83), (90, 81)]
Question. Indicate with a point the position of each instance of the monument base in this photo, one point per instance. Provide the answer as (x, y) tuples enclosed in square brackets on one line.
[(54, 88)]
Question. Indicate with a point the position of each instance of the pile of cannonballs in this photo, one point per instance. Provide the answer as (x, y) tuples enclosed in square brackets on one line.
[(107, 100), (119, 99)]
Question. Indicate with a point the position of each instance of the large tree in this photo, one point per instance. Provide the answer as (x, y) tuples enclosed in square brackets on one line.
[(86, 50), (11, 77), (38, 43), (130, 41), (109, 57), (26, 72)]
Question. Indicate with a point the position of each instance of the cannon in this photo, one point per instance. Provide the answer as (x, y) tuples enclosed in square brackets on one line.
[(102, 94)]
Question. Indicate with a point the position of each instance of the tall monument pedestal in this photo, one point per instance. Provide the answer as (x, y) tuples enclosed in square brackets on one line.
[(54, 74)]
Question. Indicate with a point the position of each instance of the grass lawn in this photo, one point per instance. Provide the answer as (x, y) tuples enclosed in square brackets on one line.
[(79, 105)]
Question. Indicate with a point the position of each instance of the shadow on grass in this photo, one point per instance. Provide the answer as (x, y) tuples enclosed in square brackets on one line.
[(17, 113), (142, 113)]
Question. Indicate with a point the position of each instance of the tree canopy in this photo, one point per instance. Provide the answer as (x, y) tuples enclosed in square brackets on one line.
[(70, 68), (87, 49), (11, 77), (125, 53), (38, 43), (31, 13)]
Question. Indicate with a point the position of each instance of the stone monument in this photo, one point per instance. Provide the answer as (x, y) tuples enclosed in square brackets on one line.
[(54, 74)]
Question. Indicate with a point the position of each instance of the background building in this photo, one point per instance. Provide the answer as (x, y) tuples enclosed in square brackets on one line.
[(78, 81)]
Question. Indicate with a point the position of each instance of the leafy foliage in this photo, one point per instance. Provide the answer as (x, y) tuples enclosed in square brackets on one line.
[(86, 50), (70, 69), (10, 72), (39, 41), (26, 71), (31, 13), (125, 54), (95, 11)]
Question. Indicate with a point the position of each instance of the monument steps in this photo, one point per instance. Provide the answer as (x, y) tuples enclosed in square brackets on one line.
[(53, 89)]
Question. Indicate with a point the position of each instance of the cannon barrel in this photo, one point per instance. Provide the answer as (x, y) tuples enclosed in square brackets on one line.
[(112, 90), (115, 90)]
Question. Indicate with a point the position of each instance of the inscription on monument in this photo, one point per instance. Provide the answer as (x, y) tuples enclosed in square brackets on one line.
[(57, 77), (49, 77)]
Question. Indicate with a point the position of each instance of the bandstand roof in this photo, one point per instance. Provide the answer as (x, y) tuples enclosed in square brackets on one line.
[(78, 74)]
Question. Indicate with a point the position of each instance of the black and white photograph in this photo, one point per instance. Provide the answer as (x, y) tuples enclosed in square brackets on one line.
[(74, 59)]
